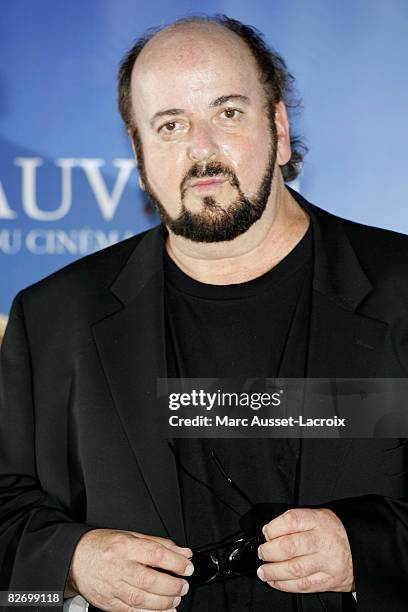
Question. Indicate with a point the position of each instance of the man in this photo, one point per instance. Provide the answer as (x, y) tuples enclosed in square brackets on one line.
[(248, 279)]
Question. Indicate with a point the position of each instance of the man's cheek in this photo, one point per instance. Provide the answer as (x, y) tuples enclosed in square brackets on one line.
[(248, 166), (165, 171)]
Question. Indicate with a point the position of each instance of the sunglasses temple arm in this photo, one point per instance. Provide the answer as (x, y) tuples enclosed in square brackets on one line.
[(228, 478), (201, 482)]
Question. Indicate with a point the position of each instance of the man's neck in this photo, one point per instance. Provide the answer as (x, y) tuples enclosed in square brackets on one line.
[(281, 227)]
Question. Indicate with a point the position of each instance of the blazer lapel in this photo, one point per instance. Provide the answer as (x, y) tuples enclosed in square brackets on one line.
[(131, 345), (342, 342)]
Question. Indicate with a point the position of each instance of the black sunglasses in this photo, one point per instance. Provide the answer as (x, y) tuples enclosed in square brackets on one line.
[(234, 557)]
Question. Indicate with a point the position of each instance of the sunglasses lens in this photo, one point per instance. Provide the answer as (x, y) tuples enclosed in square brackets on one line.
[(206, 567), (244, 557)]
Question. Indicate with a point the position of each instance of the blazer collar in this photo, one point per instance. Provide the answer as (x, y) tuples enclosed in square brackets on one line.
[(145, 262), (337, 271)]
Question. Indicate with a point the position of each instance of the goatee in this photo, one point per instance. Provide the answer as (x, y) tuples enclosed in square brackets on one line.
[(215, 223)]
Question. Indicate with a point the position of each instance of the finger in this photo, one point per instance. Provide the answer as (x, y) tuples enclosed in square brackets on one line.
[(155, 554), (316, 583), (144, 610), (153, 581), (116, 605), (300, 567), (289, 546), (187, 552), (119, 606), (291, 521), (136, 598)]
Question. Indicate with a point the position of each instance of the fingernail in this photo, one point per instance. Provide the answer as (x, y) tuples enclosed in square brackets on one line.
[(260, 553), (176, 601), (264, 532), (261, 573), (189, 570), (185, 588)]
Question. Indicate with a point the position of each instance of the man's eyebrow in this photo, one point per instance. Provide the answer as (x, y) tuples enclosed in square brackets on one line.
[(169, 111), (217, 102), (223, 99)]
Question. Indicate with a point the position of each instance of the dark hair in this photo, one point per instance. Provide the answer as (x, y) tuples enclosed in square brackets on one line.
[(273, 73)]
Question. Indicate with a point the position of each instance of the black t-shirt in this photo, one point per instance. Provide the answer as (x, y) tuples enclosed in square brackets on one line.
[(253, 329)]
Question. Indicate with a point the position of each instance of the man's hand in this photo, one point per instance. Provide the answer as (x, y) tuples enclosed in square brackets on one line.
[(306, 551), (113, 570)]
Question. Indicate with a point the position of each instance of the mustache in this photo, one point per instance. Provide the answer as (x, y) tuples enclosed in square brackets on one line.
[(209, 170)]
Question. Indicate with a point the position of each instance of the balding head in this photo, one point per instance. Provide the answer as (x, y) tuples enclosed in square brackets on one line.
[(188, 47)]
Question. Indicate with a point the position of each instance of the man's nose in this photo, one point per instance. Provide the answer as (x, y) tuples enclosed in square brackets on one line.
[(202, 145)]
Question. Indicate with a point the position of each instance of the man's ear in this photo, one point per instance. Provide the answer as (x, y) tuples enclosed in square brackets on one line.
[(284, 150), (131, 136)]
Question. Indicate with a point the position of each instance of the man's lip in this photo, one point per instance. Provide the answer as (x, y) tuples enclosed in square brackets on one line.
[(207, 183)]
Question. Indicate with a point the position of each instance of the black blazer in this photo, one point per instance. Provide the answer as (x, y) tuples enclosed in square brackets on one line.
[(78, 416)]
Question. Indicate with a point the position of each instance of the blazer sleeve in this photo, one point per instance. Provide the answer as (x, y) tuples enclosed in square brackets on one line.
[(377, 529), (37, 535)]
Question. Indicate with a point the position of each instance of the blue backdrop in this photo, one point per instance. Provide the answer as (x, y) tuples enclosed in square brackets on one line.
[(68, 184)]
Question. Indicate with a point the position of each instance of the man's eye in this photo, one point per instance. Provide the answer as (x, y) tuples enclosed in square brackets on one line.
[(168, 127), (231, 113)]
